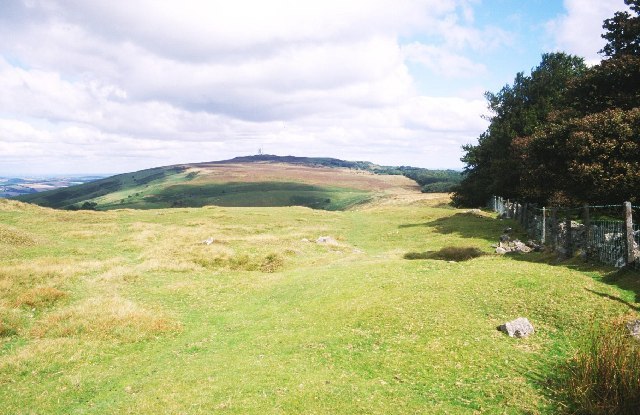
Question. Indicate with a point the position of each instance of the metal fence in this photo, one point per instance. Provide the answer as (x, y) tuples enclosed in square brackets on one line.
[(603, 233)]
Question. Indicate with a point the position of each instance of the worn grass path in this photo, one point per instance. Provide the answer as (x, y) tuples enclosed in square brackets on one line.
[(128, 312)]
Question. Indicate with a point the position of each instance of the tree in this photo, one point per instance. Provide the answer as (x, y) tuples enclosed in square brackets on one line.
[(518, 109), (591, 159), (623, 32)]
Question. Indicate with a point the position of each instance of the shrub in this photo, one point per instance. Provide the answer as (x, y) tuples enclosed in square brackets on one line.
[(604, 375), (10, 322)]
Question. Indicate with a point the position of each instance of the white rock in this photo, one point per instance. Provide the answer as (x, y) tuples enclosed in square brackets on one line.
[(520, 327)]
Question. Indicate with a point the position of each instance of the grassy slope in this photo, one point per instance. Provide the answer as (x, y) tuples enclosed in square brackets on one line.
[(185, 186), (153, 321)]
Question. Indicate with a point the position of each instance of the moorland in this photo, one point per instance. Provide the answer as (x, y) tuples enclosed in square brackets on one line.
[(240, 309)]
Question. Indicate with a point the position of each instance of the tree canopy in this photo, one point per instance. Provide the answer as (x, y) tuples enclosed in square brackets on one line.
[(567, 133)]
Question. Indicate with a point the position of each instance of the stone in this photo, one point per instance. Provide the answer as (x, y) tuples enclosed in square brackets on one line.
[(500, 250), (634, 328), (326, 240), (519, 328), (504, 238), (208, 241), (520, 247)]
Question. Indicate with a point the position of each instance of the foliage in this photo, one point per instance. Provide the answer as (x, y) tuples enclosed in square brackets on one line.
[(592, 159), (623, 32), (517, 110), (570, 137)]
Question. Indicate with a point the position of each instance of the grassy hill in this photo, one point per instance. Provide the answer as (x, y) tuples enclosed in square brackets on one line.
[(127, 311), (319, 183)]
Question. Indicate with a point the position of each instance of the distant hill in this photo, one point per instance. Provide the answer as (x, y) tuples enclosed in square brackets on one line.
[(262, 180)]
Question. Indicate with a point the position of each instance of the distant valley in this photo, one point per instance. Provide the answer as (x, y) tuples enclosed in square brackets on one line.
[(16, 186)]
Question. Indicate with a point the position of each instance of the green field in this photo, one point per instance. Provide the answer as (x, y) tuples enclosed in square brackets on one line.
[(127, 311)]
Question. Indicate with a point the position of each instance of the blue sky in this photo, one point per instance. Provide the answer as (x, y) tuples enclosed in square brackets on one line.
[(116, 86)]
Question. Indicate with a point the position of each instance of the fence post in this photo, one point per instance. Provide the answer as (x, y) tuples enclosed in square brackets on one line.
[(544, 225), (587, 230), (569, 241), (554, 227), (628, 230)]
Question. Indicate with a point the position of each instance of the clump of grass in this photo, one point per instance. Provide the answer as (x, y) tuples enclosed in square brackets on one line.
[(448, 253), (15, 237), (10, 322), (241, 262), (271, 263), (108, 318), (40, 297), (604, 376)]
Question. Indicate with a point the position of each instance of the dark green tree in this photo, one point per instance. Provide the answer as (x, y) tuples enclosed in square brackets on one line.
[(623, 32), (589, 151), (517, 110)]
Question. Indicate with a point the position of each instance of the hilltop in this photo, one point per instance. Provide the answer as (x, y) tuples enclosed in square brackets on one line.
[(262, 180)]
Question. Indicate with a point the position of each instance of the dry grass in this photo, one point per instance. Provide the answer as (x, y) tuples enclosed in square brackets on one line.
[(10, 322), (39, 297), (604, 375), (15, 237), (104, 318)]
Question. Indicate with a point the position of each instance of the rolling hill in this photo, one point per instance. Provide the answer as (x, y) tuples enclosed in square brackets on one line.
[(263, 180)]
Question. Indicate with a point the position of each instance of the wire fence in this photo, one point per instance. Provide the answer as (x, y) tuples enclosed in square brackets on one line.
[(604, 233)]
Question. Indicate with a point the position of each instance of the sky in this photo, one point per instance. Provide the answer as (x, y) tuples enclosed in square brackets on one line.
[(112, 86)]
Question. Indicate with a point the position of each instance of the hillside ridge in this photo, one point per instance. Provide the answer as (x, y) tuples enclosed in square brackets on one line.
[(247, 181)]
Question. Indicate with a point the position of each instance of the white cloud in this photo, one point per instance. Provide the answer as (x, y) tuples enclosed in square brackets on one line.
[(441, 61), (579, 31), (144, 83)]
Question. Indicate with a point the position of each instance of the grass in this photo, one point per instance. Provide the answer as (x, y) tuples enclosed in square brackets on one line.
[(603, 375), (264, 320)]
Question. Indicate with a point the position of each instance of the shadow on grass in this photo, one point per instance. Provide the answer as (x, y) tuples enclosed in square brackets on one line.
[(448, 253), (614, 298), (466, 225)]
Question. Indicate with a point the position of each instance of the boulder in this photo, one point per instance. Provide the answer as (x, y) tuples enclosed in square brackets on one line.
[(520, 327), (500, 250), (520, 247), (634, 328)]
